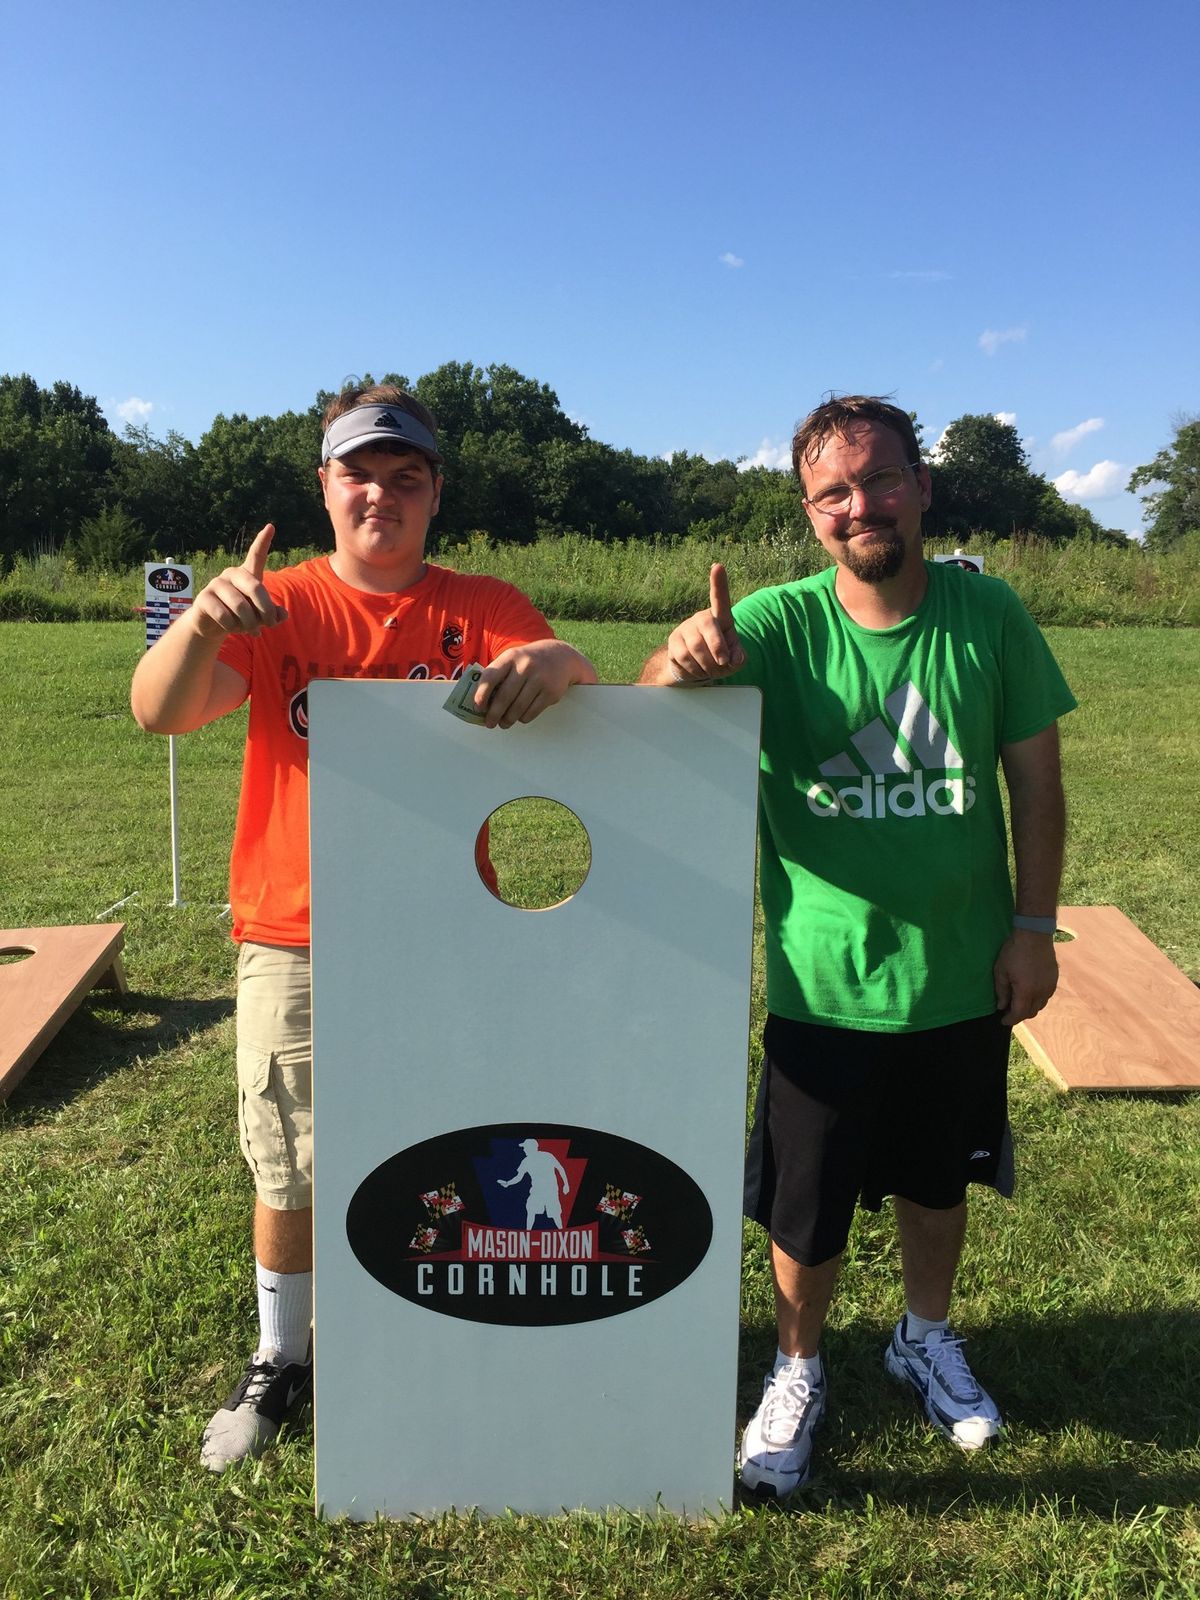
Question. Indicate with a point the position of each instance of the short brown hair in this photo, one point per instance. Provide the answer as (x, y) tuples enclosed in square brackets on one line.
[(838, 414), (383, 394)]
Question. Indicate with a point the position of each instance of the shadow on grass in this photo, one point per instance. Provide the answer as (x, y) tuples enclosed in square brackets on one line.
[(1135, 1097), (107, 1035), (1110, 1398)]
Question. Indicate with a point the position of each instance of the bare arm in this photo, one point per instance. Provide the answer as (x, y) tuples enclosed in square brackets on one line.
[(1026, 970), (526, 679), (704, 647), (179, 684)]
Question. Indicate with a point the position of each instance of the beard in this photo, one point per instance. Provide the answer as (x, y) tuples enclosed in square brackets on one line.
[(877, 561)]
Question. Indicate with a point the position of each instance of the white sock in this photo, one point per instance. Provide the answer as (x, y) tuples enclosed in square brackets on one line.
[(284, 1312), (915, 1327), (807, 1367)]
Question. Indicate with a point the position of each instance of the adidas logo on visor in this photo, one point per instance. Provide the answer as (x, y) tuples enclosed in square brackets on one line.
[(911, 767), (385, 419)]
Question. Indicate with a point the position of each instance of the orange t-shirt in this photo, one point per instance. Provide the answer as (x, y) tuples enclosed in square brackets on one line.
[(442, 624)]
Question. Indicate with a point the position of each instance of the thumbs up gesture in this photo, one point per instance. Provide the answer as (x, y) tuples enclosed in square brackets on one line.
[(707, 646), (236, 601)]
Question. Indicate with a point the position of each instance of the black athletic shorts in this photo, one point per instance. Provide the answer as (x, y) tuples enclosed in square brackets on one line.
[(845, 1117)]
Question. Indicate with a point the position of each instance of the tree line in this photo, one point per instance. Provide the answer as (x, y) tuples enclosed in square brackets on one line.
[(516, 467)]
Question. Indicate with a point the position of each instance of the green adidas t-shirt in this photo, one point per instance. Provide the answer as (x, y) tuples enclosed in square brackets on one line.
[(883, 857)]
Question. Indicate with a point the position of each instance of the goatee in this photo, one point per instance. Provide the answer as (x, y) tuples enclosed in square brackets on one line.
[(877, 561)]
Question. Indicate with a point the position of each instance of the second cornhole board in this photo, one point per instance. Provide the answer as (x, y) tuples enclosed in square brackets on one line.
[(1123, 1016), (39, 993), (479, 1070)]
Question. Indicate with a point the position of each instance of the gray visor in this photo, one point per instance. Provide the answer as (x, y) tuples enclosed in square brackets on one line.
[(373, 425)]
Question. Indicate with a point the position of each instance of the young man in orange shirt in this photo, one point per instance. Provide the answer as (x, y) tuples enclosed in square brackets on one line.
[(373, 608)]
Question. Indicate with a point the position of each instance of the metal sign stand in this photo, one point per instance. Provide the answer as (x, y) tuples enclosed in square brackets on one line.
[(168, 595)]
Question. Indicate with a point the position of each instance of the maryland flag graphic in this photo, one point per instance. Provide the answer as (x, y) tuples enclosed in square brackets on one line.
[(442, 1202), (618, 1203)]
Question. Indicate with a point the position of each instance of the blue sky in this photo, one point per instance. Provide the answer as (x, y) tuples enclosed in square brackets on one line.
[(690, 220)]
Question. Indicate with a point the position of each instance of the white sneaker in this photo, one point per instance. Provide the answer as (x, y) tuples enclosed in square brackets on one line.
[(251, 1417), (937, 1369), (776, 1450)]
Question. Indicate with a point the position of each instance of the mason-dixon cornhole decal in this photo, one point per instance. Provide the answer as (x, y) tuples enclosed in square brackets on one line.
[(529, 1224)]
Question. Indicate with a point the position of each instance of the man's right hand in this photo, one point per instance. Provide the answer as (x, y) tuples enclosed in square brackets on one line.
[(236, 600), (707, 646)]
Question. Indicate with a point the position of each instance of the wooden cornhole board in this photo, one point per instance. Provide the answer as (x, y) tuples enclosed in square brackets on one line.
[(476, 1348), (38, 994), (1123, 1016)]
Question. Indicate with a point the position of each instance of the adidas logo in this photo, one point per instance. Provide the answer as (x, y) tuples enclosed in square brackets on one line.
[(902, 751), (385, 419)]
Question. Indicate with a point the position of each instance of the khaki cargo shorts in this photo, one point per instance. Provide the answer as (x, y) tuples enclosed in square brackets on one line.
[(274, 1073)]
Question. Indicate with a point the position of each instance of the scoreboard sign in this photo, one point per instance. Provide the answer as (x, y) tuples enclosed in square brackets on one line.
[(168, 595)]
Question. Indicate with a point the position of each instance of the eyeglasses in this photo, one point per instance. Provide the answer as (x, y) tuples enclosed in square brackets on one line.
[(876, 486)]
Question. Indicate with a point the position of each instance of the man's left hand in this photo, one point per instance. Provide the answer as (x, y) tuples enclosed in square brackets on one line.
[(1025, 975), (527, 678)]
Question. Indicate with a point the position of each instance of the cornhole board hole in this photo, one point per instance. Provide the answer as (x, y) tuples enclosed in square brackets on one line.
[(529, 1124), (1123, 1016), (39, 992)]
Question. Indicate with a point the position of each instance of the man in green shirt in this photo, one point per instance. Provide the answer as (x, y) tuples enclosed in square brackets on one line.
[(898, 959)]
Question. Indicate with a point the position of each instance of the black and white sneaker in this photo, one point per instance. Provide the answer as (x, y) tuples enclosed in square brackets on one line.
[(937, 1369), (776, 1450), (251, 1417)]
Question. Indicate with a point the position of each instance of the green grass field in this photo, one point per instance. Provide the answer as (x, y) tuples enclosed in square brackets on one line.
[(126, 1289)]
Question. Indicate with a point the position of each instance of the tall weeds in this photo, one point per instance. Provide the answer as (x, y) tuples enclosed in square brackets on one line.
[(569, 576)]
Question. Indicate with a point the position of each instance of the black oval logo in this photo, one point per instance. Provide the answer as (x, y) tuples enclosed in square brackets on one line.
[(168, 580), (298, 713), (529, 1224)]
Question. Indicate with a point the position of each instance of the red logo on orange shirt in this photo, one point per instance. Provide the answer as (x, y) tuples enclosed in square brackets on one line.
[(420, 670)]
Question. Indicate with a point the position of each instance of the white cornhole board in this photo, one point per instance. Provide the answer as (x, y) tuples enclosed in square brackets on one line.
[(602, 1043)]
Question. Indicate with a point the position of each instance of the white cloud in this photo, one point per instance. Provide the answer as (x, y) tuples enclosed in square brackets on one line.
[(1097, 483), (991, 339), (135, 410), (1070, 437), (730, 260), (769, 454), (934, 453)]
